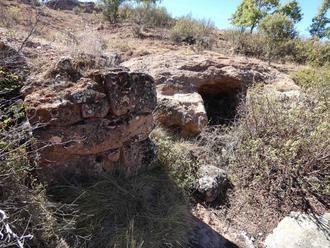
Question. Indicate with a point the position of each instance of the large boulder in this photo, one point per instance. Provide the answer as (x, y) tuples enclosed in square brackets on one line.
[(85, 123), (300, 230), (185, 112), (195, 89)]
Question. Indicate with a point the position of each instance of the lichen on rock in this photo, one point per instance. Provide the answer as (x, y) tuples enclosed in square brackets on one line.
[(86, 123)]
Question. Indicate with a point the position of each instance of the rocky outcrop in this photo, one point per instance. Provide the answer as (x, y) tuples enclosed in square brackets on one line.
[(194, 89), (301, 231), (88, 122)]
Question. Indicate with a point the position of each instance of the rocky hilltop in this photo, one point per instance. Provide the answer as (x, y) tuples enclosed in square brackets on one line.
[(121, 130)]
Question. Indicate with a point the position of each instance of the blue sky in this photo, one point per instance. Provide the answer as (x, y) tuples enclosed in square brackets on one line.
[(221, 10)]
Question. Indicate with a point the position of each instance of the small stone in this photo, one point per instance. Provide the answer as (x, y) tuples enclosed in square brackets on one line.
[(211, 183)]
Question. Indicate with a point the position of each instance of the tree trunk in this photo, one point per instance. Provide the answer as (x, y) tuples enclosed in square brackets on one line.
[(252, 27)]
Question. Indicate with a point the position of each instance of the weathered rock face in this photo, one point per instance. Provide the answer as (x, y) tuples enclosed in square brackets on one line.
[(90, 122), (196, 89), (300, 231), (185, 112)]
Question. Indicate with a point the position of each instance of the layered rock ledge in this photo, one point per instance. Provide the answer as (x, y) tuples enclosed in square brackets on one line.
[(88, 122), (196, 89)]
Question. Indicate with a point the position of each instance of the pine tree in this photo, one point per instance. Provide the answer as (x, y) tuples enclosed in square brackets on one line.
[(320, 24)]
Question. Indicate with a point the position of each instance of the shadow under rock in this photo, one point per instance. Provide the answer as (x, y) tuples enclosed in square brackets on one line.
[(204, 236)]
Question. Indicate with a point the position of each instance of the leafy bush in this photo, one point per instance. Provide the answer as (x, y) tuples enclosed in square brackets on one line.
[(247, 44), (313, 78), (311, 52), (110, 9), (151, 16), (193, 32), (78, 10), (277, 29)]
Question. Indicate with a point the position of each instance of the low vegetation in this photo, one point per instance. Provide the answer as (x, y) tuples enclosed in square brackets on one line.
[(174, 154), (282, 147), (22, 197), (145, 15), (193, 32), (114, 211)]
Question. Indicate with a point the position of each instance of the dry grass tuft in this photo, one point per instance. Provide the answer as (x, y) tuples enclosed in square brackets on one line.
[(114, 211)]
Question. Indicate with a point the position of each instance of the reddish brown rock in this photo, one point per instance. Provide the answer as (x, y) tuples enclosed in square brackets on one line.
[(84, 125), (196, 89)]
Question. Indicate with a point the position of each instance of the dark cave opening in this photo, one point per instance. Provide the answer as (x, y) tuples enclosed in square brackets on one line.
[(221, 106)]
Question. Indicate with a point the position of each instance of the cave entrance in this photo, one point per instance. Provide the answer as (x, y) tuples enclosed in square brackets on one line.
[(221, 105)]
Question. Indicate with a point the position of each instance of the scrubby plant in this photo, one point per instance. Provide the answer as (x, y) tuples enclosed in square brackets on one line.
[(146, 15), (78, 10), (298, 50), (21, 196), (10, 16), (278, 29), (193, 32), (316, 78), (110, 9), (311, 52), (282, 147), (253, 45), (174, 155)]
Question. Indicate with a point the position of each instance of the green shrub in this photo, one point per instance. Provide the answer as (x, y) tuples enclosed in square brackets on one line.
[(312, 52), (316, 78), (78, 10), (173, 155), (253, 45), (151, 16), (296, 50), (192, 31), (110, 9), (278, 29)]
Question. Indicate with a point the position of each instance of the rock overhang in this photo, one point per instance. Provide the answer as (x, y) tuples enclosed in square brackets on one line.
[(187, 84)]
